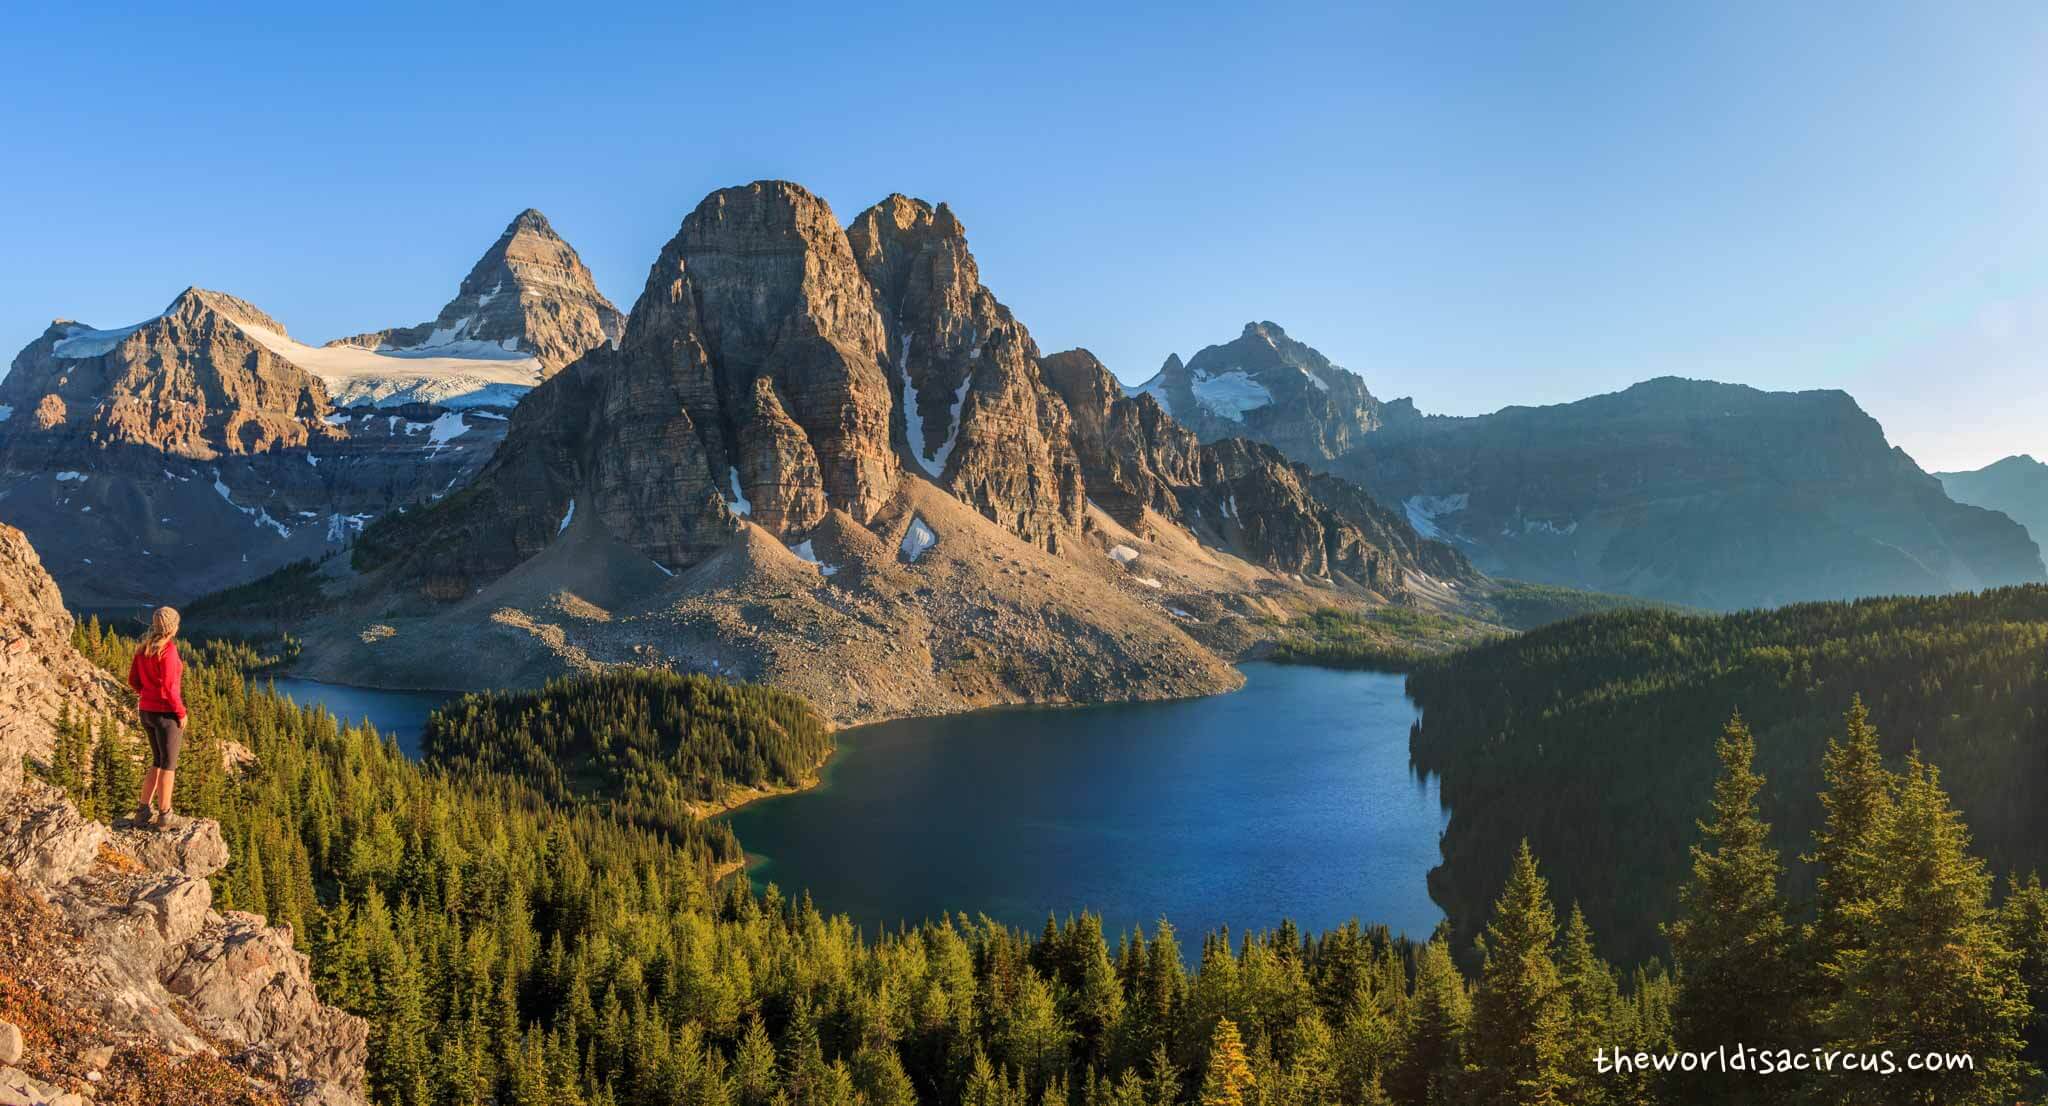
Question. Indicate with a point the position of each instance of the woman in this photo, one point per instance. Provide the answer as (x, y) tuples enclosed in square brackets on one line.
[(156, 674)]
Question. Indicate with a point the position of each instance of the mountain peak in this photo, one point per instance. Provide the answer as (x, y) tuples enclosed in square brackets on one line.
[(530, 220), (528, 294), (195, 299)]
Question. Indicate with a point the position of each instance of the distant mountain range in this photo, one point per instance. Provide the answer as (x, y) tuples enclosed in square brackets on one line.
[(840, 431), (1687, 491), (205, 446), (2016, 486), (828, 457)]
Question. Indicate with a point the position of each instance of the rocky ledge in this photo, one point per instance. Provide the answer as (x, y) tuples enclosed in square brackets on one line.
[(115, 968)]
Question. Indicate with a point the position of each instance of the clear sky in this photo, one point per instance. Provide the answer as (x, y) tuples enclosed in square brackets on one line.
[(1476, 205)]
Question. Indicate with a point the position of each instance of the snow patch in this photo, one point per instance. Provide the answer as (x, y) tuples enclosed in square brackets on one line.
[(312, 460), (6, 411), (261, 516), (1424, 510), (917, 538), (1229, 395), (1148, 581), (71, 474), (566, 517), (453, 374), (806, 554), (913, 420), (84, 341), (740, 504), (445, 429), (665, 571)]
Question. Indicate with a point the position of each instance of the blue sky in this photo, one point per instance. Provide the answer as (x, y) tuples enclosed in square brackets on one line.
[(1476, 205)]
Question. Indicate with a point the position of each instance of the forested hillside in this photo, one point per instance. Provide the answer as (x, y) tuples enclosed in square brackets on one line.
[(655, 747), (1594, 738), (512, 949)]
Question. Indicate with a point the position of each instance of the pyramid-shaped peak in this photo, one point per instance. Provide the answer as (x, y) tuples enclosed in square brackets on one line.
[(530, 221)]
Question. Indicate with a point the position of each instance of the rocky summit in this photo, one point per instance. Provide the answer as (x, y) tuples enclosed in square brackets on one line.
[(831, 459), (201, 448), (1268, 387), (528, 294)]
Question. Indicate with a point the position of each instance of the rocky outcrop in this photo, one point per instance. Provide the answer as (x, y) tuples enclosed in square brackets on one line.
[(40, 673), (156, 967), (128, 944), (1711, 495), (528, 293), (975, 414), (1268, 387)]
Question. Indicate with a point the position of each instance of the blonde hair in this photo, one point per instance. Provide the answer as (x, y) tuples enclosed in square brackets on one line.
[(163, 626)]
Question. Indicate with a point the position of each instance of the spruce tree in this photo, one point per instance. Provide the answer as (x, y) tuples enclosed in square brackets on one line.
[(1857, 807), (1439, 1010), (1228, 1080), (1731, 943), (1926, 966), (2024, 918), (1521, 1015)]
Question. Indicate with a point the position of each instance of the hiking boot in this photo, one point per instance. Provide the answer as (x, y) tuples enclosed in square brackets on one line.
[(167, 821), (143, 815)]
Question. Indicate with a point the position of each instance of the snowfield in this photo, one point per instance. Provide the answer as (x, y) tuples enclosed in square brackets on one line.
[(456, 374)]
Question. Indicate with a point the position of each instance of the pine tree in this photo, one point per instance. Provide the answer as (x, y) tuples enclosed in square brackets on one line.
[(1433, 1040), (1857, 805), (753, 1066), (1926, 966), (1731, 943), (2024, 918), (1229, 1078), (1521, 1015)]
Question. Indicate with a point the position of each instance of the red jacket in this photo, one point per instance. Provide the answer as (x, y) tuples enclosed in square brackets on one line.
[(158, 680)]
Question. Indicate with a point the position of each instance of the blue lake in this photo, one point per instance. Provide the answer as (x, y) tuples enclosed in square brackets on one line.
[(402, 714), (1292, 798)]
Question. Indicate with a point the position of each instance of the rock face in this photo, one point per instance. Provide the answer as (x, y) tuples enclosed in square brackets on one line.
[(144, 955), (751, 372), (1234, 493), (528, 293), (194, 451), (1706, 494), (1268, 387), (975, 414), (192, 383), (40, 673), (2017, 487), (832, 460)]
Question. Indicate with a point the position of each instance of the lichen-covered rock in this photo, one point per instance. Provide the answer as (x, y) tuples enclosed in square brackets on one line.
[(529, 292), (44, 841), (196, 850), (245, 983)]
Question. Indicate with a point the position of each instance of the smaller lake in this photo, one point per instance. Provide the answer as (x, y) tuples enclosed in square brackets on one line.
[(402, 714), (1292, 798)]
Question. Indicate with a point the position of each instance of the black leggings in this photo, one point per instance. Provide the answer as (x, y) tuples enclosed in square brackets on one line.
[(166, 736)]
